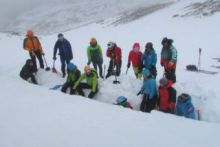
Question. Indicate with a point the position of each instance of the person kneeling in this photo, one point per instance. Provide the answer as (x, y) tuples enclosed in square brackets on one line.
[(91, 82), (27, 72), (184, 106), (122, 101), (73, 76), (167, 96)]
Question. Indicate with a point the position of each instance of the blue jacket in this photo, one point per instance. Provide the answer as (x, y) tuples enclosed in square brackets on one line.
[(65, 49), (149, 87), (149, 59), (185, 109)]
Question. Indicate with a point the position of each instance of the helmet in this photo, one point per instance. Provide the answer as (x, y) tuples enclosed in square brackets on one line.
[(121, 99), (71, 66), (164, 41), (145, 72), (149, 45), (111, 45), (86, 69), (184, 98), (93, 40), (29, 62), (163, 81), (60, 36), (30, 33)]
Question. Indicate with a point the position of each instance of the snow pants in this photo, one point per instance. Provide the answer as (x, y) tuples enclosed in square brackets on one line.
[(40, 59), (66, 86), (170, 74), (111, 67), (86, 86), (147, 105)]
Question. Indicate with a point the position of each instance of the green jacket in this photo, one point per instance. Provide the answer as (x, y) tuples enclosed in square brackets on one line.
[(169, 54), (91, 80), (94, 53), (73, 76)]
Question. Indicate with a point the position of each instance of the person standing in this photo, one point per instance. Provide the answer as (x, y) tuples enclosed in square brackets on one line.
[(135, 58), (65, 52), (149, 59), (33, 46), (169, 59), (149, 92), (94, 54), (114, 53)]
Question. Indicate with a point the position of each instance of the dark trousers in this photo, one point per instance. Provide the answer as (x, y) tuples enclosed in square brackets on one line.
[(167, 111), (40, 59), (100, 68), (153, 71), (111, 67), (63, 64), (147, 105), (82, 86), (170, 74), (66, 86), (32, 77)]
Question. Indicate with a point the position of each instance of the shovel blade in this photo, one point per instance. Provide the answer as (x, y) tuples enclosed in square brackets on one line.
[(54, 70), (116, 82)]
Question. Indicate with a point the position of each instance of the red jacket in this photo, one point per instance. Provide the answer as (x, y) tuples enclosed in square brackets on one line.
[(114, 54), (135, 58), (167, 97), (166, 65)]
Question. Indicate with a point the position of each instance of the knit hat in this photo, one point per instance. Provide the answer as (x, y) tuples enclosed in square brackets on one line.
[(163, 81)]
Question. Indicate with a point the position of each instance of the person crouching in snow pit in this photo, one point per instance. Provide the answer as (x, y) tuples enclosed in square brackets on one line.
[(149, 92), (114, 53), (184, 106), (135, 58), (94, 53), (32, 44), (65, 52), (73, 76), (27, 72), (167, 96), (169, 59), (122, 101), (91, 82), (149, 59)]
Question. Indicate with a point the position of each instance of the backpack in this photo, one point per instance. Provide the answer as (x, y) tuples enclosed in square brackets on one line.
[(192, 68)]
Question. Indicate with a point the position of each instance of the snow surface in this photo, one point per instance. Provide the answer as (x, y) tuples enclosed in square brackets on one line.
[(36, 116), (64, 15)]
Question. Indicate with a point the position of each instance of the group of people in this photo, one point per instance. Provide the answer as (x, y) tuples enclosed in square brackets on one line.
[(143, 64)]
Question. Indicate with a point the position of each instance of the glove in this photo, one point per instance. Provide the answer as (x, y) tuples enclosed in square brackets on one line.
[(32, 53), (170, 64), (91, 95), (89, 62), (129, 64), (140, 92), (54, 58), (161, 63), (42, 53)]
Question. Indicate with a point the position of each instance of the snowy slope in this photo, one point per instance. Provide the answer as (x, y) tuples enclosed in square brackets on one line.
[(35, 116), (69, 14)]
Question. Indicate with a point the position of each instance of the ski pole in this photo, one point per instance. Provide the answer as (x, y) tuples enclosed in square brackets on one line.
[(127, 70), (199, 62), (104, 72), (47, 67)]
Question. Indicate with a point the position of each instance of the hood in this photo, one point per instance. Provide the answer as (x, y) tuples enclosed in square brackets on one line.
[(136, 45)]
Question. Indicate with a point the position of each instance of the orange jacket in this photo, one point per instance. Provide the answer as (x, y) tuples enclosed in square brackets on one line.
[(32, 44)]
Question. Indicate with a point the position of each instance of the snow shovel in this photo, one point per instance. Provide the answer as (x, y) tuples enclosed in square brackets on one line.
[(199, 61), (104, 72), (54, 69), (47, 67)]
